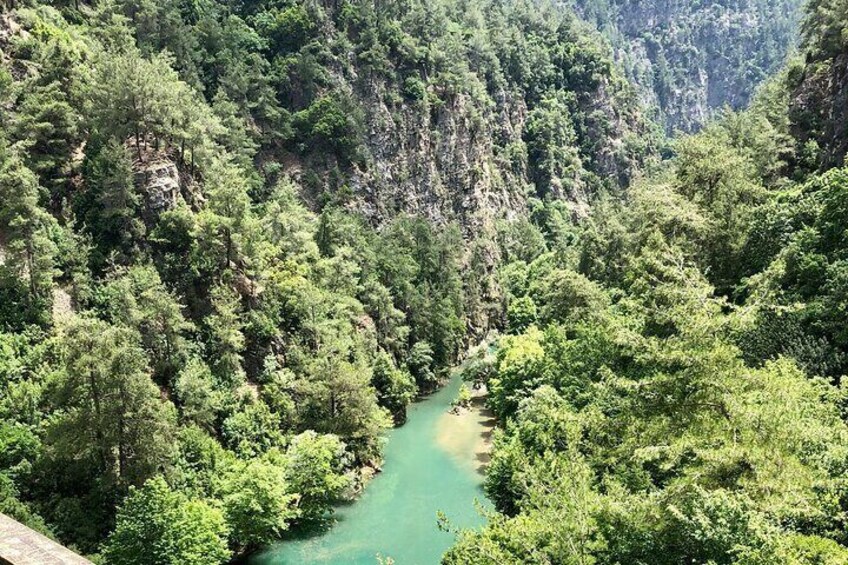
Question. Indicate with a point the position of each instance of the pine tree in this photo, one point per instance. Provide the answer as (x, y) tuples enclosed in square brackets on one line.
[(26, 230)]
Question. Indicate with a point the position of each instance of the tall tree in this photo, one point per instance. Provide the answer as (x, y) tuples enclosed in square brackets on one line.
[(137, 298), (258, 504), (226, 224), (113, 214), (29, 251), (111, 413)]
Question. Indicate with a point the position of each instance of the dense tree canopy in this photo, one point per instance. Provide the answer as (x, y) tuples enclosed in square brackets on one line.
[(237, 239), (673, 386), (198, 352)]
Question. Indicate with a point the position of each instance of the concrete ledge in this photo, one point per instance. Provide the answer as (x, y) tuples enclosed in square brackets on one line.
[(20, 545)]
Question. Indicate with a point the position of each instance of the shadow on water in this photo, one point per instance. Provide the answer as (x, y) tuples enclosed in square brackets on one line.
[(487, 423)]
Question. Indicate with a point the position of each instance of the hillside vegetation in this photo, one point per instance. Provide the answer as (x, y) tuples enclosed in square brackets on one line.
[(238, 239), (672, 387)]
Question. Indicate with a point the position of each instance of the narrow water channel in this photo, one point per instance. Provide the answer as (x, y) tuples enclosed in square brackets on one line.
[(432, 463)]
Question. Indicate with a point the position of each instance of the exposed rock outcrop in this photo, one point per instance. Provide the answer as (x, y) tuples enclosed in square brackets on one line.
[(455, 141), (691, 58), (466, 160), (160, 184), (440, 164), (819, 112)]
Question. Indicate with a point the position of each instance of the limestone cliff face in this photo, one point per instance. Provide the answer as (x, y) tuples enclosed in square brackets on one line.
[(476, 138), (159, 182), (441, 163), (818, 111), (691, 58), (467, 161)]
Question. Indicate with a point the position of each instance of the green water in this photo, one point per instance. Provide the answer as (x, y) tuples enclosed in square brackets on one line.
[(425, 471)]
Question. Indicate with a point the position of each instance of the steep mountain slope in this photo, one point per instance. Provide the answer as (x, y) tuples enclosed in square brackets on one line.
[(435, 108), (692, 58), (456, 100), (237, 238), (819, 87), (672, 385)]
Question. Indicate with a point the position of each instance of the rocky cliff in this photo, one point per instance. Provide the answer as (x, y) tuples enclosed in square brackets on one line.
[(467, 120), (818, 95), (691, 58), (452, 110)]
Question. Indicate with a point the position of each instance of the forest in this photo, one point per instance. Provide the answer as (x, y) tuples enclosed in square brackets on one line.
[(239, 239), (671, 382)]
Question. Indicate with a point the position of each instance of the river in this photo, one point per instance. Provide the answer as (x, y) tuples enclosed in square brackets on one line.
[(432, 463)]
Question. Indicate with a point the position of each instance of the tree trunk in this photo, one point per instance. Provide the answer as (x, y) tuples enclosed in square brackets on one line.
[(30, 263), (122, 453), (229, 239), (98, 432), (138, 144)]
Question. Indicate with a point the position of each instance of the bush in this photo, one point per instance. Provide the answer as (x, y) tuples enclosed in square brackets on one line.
[(331, 123), (521, 314), (463, 397), (414, 88), (157, 525)]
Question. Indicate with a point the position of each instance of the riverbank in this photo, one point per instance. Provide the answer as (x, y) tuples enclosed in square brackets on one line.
[(468, 431)]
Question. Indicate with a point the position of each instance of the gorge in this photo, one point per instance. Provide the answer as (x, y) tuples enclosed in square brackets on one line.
[(243, 245)]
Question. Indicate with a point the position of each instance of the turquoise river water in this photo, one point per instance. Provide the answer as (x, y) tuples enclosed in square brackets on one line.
[(432, 463)]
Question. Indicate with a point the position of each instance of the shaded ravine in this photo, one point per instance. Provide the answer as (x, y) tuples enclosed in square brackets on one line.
[(432, 463)]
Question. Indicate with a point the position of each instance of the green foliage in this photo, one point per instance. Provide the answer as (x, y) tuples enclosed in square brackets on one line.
[(801, 289), (519, 370), (137, 298), (330, 123), (463, 397), (199, 398), (554, 159), (395, 388), (112, 205), (521, 314), (712, 174), (339, 401), (252, 430), (314, 468), (657, 443), (257, 504), (28, 268), (479, 364), (49, 128), (673, 390), (227, 338), (217, 364), (422, 266), (421, 365), (157, 525), (11, 506), (111, 416), (143, 99), (811, 549), (288, 29), (226, 226), (567, 295), (414, 88), (823, 28)]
